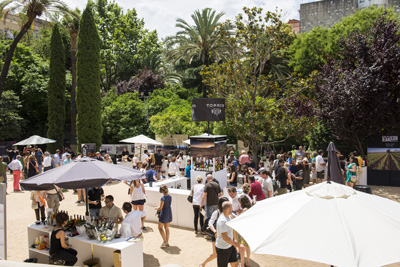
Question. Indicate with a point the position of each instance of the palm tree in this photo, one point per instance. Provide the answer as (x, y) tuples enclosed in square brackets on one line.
[(32, 9), (71, 21), (199, 41)]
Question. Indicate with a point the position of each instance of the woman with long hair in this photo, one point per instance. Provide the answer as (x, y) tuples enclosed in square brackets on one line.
[(351, 175), (59, 250), (165, 215), (138, 197), (32, 166)]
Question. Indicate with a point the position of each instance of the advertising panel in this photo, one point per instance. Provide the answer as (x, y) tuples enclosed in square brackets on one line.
[(208, 109), (384, 160)]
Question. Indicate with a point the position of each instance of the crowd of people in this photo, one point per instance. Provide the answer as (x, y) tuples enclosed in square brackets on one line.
[(249, 180)]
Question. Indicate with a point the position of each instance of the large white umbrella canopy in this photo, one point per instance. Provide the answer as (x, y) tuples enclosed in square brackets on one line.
[(141, 139), (35, 140), (327, 223)]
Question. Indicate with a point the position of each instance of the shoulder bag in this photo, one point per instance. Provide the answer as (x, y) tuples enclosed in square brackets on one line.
[(190, 197)]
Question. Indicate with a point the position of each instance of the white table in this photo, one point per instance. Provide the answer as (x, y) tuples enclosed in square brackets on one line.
[(173, 182), (131, 252), (362, 178), (182, 209)]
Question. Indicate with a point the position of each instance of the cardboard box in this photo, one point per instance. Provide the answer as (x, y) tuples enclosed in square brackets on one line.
[(92, 263), (117, 258)]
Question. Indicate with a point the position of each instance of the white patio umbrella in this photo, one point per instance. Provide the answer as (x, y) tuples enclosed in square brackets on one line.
[(141, 139), (327, 223), (35, 140)]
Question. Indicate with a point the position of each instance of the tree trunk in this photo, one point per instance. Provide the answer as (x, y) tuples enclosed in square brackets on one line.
[(254, 151), (10, 54), (74, 36)]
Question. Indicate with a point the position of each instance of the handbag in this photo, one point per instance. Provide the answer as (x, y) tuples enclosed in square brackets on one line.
[(206, 229), (353, 179), (190, 197), (158, 212), (60, 198)]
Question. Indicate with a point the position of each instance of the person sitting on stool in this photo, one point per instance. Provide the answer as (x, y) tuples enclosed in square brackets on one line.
[(59, 250)]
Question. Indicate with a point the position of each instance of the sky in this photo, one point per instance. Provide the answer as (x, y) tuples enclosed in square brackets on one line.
[(161, 15)]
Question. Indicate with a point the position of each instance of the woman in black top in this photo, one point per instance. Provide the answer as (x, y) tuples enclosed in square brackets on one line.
[(59, 250), (300, 177), (32, 167), (232, 176)]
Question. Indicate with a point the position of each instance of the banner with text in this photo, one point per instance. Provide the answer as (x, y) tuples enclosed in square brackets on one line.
[(208, 109)]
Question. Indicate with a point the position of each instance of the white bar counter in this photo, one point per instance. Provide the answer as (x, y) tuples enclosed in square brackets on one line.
[(173, 182), (182, 209), (131, 252)]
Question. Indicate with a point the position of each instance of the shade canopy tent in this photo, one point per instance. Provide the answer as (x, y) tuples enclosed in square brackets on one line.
[(82, 173), (347, 228), (334, 170), (35, 140), (141, 139)]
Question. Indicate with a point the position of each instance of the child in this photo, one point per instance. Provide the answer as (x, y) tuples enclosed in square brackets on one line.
[(38, 203)]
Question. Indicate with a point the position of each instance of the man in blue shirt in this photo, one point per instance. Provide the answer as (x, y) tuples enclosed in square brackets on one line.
[(151, 175)]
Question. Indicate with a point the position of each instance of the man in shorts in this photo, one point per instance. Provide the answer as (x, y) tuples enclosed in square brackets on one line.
[(225, 245)]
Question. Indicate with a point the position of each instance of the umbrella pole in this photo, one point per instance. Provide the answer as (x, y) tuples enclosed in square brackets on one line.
[(87, 202)]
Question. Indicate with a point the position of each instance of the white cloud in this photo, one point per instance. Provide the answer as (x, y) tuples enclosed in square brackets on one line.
[(161, 15)]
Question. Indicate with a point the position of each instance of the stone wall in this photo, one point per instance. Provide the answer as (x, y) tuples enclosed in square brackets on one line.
[(325, 13)]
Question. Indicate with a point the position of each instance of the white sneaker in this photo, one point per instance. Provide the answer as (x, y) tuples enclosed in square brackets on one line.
[(163, 245)]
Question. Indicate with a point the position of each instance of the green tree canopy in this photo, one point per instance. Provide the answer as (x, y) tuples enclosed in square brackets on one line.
[(312, 50), (125, 44), (253, 81)]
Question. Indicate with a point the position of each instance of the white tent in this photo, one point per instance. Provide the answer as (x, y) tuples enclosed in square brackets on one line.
[(327, 223), (35, 140), (141, 139)]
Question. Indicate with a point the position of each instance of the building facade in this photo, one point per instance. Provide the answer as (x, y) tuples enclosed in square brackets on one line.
[(12, 24), (327, 13)]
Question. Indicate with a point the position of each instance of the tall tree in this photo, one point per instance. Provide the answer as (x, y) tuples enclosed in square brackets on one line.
[(125, 43), (358, 92), (257, 95), (32, 9), (56, 92), (197, 43), (72, 23), (88, 95)]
